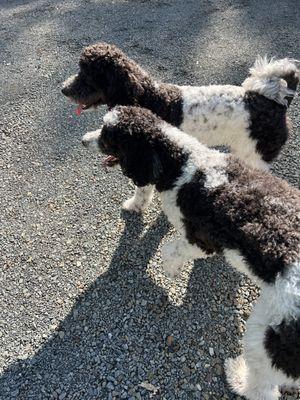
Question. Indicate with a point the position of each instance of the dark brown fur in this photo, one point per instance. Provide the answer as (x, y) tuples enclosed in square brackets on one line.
[(145, 154), (283, 347), (255, 213), (112, 78), (268, 124), (292, 81)]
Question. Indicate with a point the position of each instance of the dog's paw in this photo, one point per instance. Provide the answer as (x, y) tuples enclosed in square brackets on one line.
[(90, 140), (236, 374), (247, 383), (171, 265), (133, 206)]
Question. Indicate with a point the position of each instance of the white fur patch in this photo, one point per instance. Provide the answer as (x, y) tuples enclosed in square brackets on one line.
[(236, 374), (141, 199), (287, 288), (212, 162), (216, 115), (169, 198), (178, 252), (215, 176), (266, 78), (69, 81), (90, 139), (111, 118)]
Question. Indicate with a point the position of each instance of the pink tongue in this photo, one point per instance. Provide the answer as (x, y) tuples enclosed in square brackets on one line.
[(78, 111), (109, 161)]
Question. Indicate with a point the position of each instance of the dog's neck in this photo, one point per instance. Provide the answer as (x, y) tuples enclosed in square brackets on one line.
[(165, 100), (173, 161)]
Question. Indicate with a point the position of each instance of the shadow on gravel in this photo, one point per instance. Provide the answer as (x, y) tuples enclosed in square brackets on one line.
[(102, 343), (63, 30)]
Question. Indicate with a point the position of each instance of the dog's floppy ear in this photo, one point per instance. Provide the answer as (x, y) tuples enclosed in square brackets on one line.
[(141, 163), (134, 86)]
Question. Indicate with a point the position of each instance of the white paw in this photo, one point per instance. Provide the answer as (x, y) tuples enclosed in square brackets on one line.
[(132, 205), (247, 383), (236, 374), (90, 140), (171, 264)]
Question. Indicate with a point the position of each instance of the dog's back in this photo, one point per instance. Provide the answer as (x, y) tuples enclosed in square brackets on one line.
[(254, 213), (251, 118), (254, 218)]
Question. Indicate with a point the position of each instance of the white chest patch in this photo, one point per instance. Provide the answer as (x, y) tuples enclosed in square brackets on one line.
[(169, 197)]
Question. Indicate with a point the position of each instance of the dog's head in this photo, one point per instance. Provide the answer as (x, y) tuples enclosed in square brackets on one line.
[(106, 76), (131, 138)]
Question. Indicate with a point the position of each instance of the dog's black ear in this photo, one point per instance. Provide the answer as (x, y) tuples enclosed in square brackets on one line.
[(141, 163), (134, 87), (111, 137)]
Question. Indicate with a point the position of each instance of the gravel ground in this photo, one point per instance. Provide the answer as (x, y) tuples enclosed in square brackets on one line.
[(86, 311)]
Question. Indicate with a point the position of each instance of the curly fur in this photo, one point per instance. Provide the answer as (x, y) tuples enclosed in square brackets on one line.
[(216, 115), (283, 345), (119, 80), (139, 159), (274, 79), (272, 123), (250, 119), (219, 204), (243, 214)]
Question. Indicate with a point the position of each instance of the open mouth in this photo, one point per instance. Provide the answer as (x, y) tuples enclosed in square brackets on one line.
[(81, 106), (110, 161)]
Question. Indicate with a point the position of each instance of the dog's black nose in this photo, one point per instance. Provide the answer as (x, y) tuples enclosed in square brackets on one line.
[(64, 91), (84, 142)]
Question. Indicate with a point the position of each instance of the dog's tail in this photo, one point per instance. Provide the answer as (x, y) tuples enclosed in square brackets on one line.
[(274, 79)]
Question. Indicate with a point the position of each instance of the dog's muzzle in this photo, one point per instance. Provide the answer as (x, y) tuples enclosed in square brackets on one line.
[(90, 139)]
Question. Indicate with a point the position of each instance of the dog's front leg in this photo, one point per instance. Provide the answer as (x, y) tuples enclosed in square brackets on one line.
[(141, 199), (178, 252)]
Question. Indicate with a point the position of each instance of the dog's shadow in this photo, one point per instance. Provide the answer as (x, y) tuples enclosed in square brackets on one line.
[(123, 331)]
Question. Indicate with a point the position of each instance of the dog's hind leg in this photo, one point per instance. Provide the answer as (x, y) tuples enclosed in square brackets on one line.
[(290, 387), (247, 382), (141, 199), (251, 375), (178, 252)]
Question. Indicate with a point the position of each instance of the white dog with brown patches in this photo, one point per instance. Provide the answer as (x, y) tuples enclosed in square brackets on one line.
[(250, 119), (220, 205)]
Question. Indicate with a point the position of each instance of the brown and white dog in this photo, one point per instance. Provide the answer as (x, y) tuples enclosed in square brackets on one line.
[(221, 205), (250, 119)]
